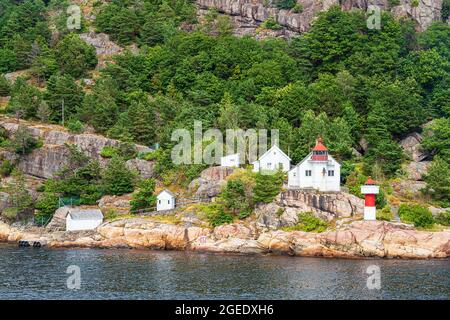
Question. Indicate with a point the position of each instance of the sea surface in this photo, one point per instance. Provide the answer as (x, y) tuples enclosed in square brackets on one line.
[(40, 273)]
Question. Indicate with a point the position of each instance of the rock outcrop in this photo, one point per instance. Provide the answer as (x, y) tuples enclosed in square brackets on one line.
[(247, 15), (326, 205), (353, 240), (44, 162), (209, 183)]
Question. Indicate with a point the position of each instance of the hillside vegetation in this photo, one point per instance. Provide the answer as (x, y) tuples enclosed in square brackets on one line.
[(340, 80)]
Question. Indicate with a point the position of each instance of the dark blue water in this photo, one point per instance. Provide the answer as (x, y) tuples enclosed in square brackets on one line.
[(27, 273)]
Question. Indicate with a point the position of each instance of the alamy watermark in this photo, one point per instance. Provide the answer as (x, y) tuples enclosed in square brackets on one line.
[(210, 146), (374, 280), (74, 280), (74, 19)]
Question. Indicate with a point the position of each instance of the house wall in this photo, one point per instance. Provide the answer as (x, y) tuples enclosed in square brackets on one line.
[(230, 161), (297, 177), (273, 160), (165, 201), (76, 225)]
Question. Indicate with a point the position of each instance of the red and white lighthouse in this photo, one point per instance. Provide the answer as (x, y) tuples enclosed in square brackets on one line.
[(370, 190)]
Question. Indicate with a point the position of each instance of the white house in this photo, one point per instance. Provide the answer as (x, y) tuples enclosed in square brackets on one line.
[(165, 200), (272, 159), (231, 160), (318, 171), (83, 219)]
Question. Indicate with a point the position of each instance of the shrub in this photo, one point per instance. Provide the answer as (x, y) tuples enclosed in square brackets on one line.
[(419, 216), (414, 3), (117, 178), (271, 24), (393, 3), (298, 8), (267, 187), (215, 214), (385, 214), (23, 141), (108, 152), (5, 86), (309, 223), (285, 4), (46, 205), (111, 214), (443, 218), (235, 198), (75, 126), (6, 168), (144, 197), (10, 213), (127, 150)]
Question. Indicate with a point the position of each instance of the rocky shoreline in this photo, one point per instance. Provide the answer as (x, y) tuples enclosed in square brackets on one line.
[(357, 239)]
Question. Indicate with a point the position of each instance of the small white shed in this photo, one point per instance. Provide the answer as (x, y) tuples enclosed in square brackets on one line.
[(231, 160), (83, 219), (165, 200)]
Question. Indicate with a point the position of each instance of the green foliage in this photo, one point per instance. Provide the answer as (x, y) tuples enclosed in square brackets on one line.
[(414, 3), (267, 187), (443, 218), (75, 126), (438, 181), (63, 94), (108, 152), (419, 216), (385, 214), (80, 178), (437, 138), (309, 223), (46, 205), (6, 167), (23, 141), (144, 197), (74, 56), (5, 86), (117, 179), (216, 214), (271, 24), (298, 8), (393, 3), (25, 99), (236, 198), (285, 4), (20, 200)]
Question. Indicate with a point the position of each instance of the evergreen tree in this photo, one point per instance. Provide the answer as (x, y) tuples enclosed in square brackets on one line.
[(437, 138), (63, 95), (234, 196), (229, 113), (382, 151), (25, 99), (74, 56), (267, 187), (117, 179), (144, 197), (438, 180)]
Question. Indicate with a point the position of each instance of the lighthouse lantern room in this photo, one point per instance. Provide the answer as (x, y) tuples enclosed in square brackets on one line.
[(370, 190)]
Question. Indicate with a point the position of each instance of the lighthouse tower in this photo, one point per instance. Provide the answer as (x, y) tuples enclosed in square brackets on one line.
[(370, 190)]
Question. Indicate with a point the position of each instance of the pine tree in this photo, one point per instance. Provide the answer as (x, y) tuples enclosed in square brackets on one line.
[(267, 187), (144, 197), (438, 180), (382, 150), (229, 113), (117, 179)]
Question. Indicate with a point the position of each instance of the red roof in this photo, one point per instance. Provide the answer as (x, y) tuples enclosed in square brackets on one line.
[(370, 181), (319, 145)]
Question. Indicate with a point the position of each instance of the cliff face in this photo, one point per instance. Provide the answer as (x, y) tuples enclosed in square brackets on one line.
[(44, 162), (247, 15)]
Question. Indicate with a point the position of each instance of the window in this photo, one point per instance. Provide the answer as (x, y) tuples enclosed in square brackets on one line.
[(159, 201), (308, 173), (295, 174), (331, 173), (280, 165), (269, 164), (168, 201)]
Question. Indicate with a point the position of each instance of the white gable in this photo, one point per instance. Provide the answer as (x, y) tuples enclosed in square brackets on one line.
[(165, 194), (273, 152)]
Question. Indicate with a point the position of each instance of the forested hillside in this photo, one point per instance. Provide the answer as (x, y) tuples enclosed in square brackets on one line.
[(362, 90)]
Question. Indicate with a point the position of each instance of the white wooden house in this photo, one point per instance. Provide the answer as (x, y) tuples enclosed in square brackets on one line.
[(272, 160), (318, 170), (165, 200), (83, 219), (231, 160)]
